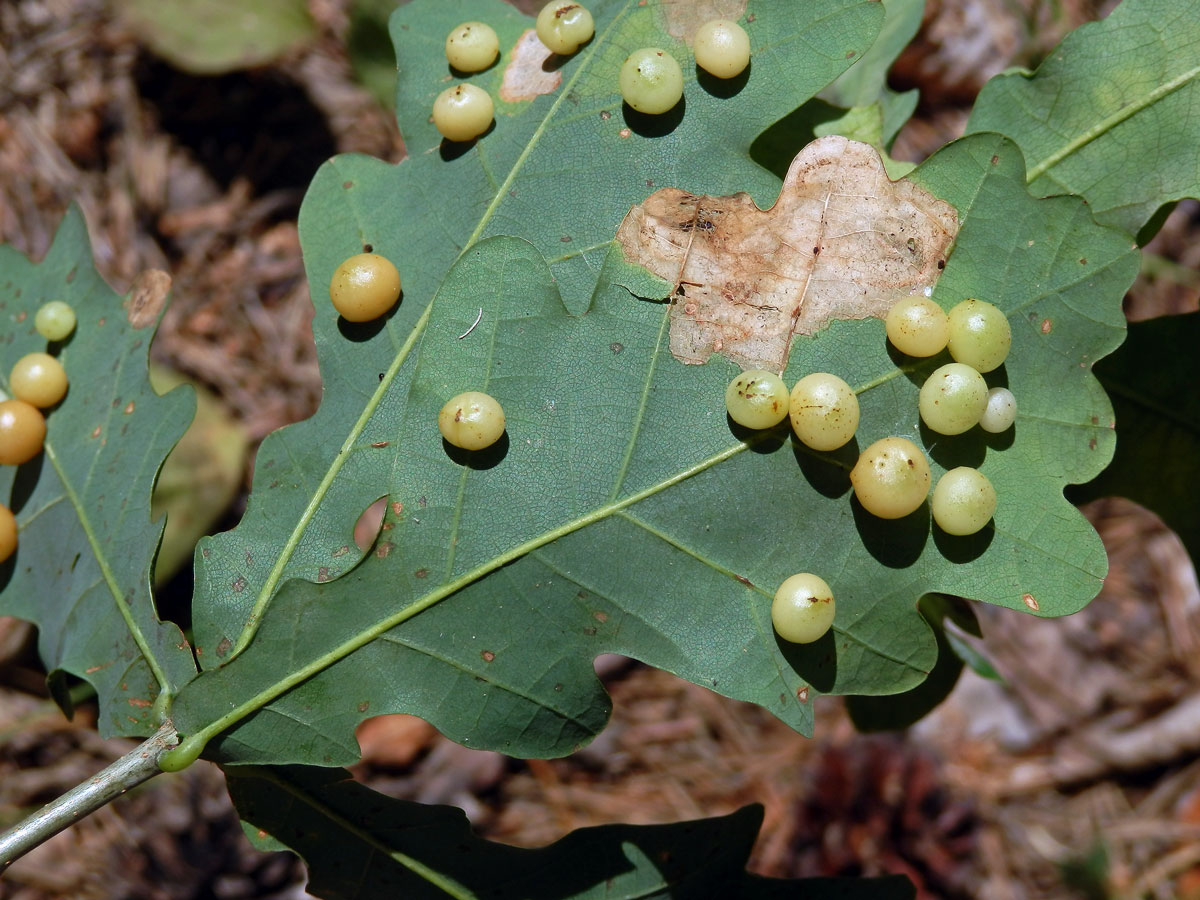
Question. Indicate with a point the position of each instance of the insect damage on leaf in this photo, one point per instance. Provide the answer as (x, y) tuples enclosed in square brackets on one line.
[(684, 18), (843, 241), (146, 297), (525, 76)]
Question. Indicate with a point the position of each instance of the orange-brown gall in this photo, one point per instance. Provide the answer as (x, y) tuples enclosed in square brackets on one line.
[(364, 287)]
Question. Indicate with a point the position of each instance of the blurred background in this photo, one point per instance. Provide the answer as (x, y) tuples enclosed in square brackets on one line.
[(1075, 774)]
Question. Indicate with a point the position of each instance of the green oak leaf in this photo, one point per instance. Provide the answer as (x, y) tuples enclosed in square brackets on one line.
[(1151, 380), (1111, 114), (359, 844), (528, 177), (83, 566), (621, 513)]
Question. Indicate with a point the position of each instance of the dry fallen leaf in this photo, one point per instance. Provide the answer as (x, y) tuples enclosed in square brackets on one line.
[(842, 242)]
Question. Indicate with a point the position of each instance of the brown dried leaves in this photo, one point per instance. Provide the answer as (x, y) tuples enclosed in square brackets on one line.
[(841, 242)]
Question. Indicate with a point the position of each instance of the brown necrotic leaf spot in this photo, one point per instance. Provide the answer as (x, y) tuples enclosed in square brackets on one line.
[(843, 241), (683, 19), (146, 298), (525, 76)]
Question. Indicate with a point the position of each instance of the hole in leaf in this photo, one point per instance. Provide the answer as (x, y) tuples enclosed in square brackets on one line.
[(393, 740), (366, 529)]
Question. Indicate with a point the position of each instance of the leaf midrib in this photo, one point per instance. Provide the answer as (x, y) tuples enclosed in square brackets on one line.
[(1110, 122)]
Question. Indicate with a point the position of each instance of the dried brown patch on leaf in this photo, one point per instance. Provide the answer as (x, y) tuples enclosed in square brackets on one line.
[(525, 77), (146, 297), (685, 16), (843, 241)]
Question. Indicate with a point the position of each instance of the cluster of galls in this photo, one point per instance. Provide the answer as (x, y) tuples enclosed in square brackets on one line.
[(37, 382), (650, 80), (892, 477)]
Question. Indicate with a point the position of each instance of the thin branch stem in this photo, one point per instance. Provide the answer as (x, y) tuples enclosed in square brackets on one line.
[(137, 766)]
